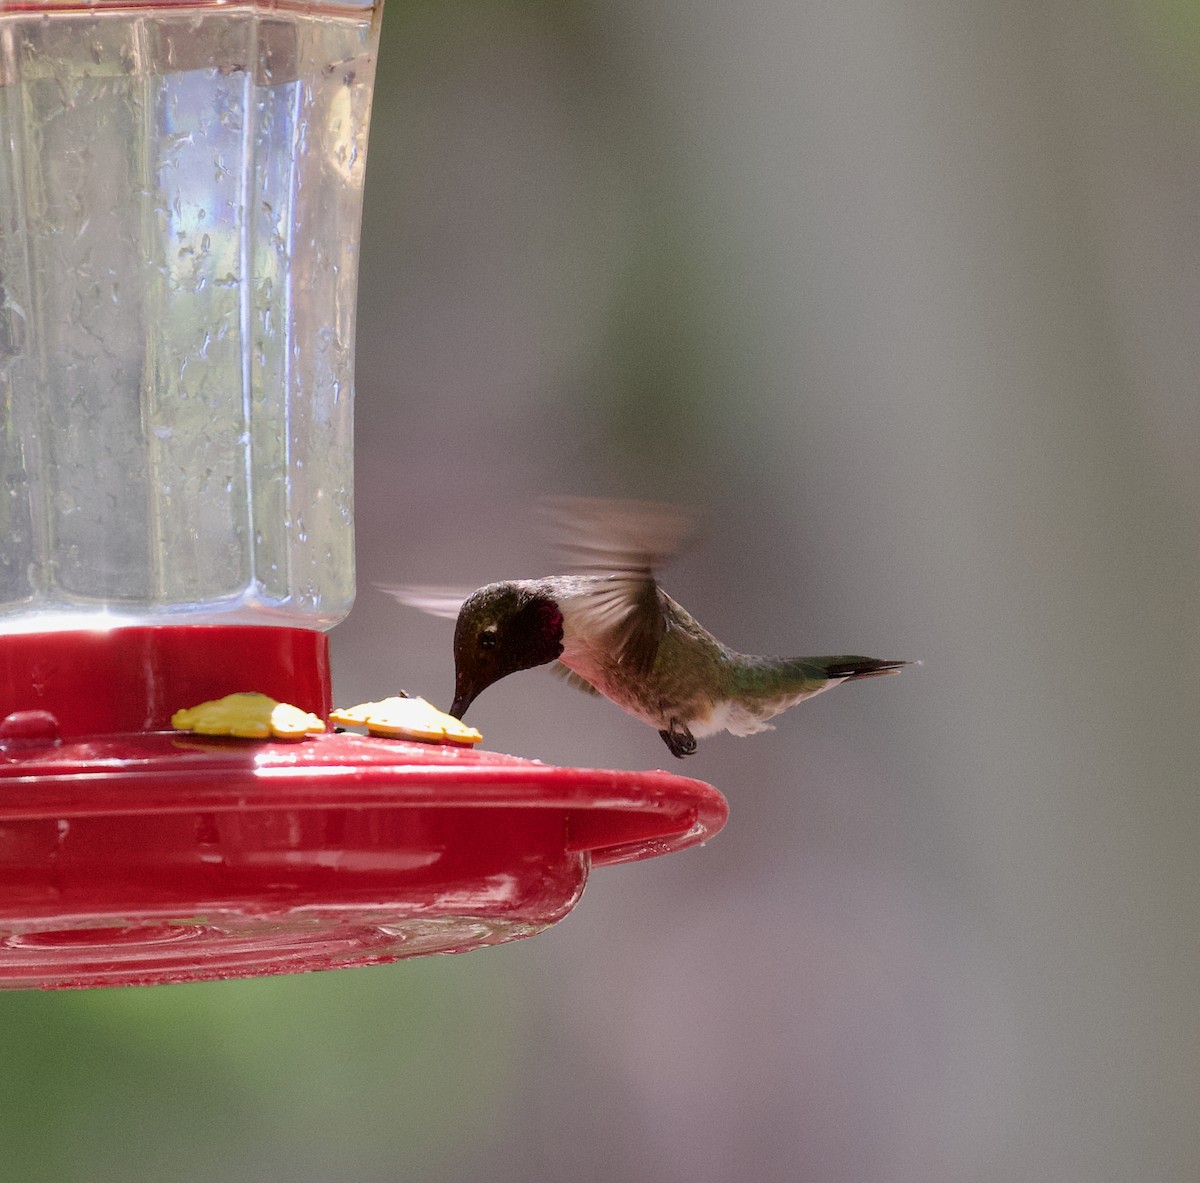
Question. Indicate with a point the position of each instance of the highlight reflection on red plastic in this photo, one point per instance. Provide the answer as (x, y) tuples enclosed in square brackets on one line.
[(151, 856)]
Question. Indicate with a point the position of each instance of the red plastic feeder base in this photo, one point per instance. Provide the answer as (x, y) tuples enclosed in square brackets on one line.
[(131, 854)]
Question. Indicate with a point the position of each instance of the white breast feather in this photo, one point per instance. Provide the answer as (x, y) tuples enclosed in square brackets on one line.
[(739, 719)]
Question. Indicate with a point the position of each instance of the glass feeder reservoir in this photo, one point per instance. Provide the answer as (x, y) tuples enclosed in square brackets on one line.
[(182, 188), (180, 197)]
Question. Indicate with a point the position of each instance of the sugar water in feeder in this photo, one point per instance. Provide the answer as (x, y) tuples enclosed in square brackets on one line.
[(183, 189)]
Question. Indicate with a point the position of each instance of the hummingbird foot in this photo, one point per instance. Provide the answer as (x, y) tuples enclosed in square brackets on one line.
[(679, 739)]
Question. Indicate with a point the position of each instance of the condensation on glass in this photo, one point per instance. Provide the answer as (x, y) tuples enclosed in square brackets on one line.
[(180, 199)]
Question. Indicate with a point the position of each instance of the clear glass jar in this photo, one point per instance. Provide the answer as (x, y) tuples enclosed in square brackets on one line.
[(180, 202)]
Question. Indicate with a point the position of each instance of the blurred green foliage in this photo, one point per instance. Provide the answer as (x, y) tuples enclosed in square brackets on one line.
[(1171, 29), (356, 1074)]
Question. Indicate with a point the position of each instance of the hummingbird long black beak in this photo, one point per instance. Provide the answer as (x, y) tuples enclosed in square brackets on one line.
[(463, 697)]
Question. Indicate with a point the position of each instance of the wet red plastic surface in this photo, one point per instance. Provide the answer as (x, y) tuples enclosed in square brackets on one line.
[(144, 856), (98, 681)]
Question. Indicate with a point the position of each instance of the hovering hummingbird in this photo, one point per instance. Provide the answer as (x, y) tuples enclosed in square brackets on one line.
[(610, 630)]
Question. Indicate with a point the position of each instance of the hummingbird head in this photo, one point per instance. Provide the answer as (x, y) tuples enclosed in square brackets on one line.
[(502, 628)]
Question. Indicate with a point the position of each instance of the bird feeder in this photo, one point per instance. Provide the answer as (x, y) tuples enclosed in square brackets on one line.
[(180, 197)]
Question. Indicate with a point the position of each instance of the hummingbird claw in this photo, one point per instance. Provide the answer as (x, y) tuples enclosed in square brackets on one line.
[(679, 739)]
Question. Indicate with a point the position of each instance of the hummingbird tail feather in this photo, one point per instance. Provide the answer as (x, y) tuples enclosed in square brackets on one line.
[(848, 668)]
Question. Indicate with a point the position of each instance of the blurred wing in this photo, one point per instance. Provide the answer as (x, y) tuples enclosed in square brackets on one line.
[(626, 616), (437, 601), (614, 547), (600, 537)]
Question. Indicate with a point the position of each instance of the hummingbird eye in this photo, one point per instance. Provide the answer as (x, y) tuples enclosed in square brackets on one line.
[(487, 638)]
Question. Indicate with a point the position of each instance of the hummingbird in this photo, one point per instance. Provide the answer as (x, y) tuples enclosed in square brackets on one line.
[(609, 629)]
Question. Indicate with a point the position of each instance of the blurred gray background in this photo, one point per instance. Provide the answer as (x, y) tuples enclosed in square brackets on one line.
[(904, 297)]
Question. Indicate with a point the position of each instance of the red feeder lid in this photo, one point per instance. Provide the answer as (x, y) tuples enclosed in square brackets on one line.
[(142, 855)]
